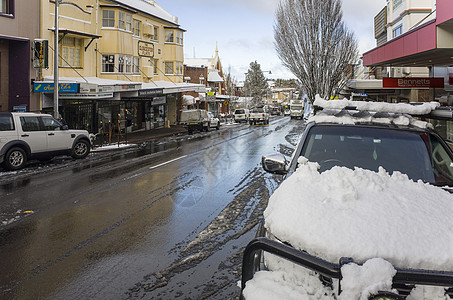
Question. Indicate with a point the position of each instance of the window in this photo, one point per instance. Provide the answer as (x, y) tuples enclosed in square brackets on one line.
[(50, 124), (30, 123), (128, 60), (154, 64), (6, 123), (169, 36), (108, 18), (136, 29), (136, 65), (128, 22), (156, 34), (396, 3), (179, 37), (71, 52), (169, 67), (7, 7), (121, 63), (397, 31), (179, 66), (108, 63), (121, 20)]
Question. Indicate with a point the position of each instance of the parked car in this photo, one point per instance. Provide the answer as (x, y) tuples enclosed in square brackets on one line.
[(25, 136), (198, 120), (287, 112), (241, 115), (258, 115), (364, 211)]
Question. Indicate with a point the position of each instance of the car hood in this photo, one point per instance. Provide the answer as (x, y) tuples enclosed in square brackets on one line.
[(363, 214)]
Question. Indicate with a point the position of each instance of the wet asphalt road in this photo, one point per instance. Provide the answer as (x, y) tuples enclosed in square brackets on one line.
[(164, 220)]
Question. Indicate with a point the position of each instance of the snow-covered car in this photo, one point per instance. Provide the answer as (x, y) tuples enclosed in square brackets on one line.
[(364, 211), (25, 136)]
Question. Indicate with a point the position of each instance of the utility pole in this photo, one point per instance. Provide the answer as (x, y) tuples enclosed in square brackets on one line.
[(55, 64)]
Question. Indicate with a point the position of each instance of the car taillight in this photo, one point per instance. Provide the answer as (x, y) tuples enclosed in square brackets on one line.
[(263, 115)]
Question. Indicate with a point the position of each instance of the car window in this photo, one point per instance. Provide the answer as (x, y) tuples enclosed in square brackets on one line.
[(51, 124), (442, 162), (30, 123), (6, 123), (239, 111), (370, 148)]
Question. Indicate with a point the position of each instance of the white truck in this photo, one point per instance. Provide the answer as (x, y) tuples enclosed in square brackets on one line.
[(297, 109), (258, 115), (198, 119)]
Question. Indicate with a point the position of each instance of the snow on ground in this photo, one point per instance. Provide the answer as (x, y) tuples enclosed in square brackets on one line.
[(380, 220), (112, 147)]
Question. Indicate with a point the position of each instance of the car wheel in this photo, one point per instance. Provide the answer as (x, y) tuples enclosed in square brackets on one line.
[(207, 128), (15, 159), (81, 149), (218, 126)]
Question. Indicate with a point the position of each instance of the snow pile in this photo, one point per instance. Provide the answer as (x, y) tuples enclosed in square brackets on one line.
[(363, 214), (403, 108), (360, 282)]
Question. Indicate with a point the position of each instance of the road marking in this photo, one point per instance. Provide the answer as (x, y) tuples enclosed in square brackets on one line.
[(167, 162)]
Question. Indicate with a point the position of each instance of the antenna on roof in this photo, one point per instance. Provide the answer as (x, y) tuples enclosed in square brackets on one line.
[(194, 52)]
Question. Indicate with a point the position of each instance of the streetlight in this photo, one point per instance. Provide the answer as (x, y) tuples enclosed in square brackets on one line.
[(55, 63)]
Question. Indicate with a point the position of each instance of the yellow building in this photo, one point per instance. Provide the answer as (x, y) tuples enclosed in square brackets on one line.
[(120, 60)]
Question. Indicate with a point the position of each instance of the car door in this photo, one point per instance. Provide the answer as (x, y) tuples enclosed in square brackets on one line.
[(32, 133), (57, 139)]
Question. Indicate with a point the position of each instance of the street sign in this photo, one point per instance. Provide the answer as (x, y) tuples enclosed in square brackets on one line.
[(226, 103)]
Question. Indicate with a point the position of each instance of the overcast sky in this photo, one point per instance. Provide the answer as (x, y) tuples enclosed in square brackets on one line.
[(243, 30)]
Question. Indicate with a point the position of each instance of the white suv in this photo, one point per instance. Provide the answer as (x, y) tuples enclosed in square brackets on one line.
[(25, 136)]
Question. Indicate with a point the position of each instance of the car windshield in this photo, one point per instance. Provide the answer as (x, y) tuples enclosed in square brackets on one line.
[(417, 154), (257, 110)]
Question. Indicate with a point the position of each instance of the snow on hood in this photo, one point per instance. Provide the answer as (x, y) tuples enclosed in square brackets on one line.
[(363, 214)]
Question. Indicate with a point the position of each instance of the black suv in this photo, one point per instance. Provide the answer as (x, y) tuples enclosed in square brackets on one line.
[(383, 143)]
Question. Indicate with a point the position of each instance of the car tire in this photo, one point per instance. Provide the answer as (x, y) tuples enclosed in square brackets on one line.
[(218, 126), (81, 149), (15, 159)]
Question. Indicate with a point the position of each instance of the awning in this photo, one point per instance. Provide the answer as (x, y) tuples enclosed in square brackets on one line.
[(429, 44), (171, 88), (213, 76)]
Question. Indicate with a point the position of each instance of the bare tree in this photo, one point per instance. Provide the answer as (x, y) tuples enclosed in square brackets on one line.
[(314, 44)]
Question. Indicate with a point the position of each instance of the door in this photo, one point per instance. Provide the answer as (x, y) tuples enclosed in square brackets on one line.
[(57, 139), (31, 132)]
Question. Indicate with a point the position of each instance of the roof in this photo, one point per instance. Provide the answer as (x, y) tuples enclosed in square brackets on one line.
[(198, 62), (149, 7), (213, 76)]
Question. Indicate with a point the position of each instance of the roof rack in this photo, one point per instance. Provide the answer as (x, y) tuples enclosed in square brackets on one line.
[(424, 110)]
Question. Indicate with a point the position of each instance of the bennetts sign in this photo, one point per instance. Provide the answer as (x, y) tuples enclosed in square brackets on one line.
[(410, 83)]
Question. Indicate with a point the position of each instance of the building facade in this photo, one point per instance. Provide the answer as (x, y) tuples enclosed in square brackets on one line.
[(19, 26), (120, 65)]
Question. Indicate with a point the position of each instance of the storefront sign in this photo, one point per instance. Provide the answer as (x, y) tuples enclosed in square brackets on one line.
[(359, 95), (145, 49), (409, 83), (88, 96), (153, 92), (48, 87)]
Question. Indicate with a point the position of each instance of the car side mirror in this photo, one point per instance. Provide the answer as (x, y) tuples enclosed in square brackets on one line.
[(64, 127), (275, 163)]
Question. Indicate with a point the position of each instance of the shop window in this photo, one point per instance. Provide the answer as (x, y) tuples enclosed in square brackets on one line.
[(397, 31), (169, 67), (108, 18), (137, 25), (71, 52), (169, 36), (108, 63), (7, 7)]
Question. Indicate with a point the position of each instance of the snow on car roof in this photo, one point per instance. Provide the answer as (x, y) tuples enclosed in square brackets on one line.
[(372, 112), (363, 214), (403, 108)]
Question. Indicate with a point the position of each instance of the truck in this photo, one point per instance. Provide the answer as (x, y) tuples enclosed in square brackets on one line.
[(297, 109), (198, 119), (258, 115)]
